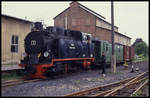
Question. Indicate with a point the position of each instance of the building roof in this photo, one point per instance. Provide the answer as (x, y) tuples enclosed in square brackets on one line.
[(16, 18), (85, 8), (61, 12), (122, 35), (108, 23), (92, 12), (115, 32), (88, 10), (95, 14)]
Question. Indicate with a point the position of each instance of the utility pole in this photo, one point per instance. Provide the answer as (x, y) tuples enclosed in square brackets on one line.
[(113, 57)]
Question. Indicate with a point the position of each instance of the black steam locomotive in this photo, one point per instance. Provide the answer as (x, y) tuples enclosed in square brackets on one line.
[(54, 50)]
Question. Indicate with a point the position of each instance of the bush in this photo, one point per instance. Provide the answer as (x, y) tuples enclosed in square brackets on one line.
[(141, 49)]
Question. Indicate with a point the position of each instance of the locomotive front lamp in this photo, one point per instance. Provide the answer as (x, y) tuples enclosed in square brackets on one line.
[(91, 55), (46, 54)]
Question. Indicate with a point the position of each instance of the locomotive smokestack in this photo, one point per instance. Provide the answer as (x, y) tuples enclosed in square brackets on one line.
[(37, 26)]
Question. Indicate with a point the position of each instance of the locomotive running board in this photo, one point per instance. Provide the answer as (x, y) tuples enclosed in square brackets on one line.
[(67, 59), (41, 68), (72, 59), (56, 60)]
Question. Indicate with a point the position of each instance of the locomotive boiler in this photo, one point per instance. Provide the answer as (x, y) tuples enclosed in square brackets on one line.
[(53, 50)]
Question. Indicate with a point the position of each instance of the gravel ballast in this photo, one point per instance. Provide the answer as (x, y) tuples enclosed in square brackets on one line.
[(73, 82)]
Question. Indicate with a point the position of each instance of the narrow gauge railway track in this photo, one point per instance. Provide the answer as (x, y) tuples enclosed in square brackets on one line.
[(128, 88), (102, 89), (140, 87), (21, 81), (16, 82), (110, 89)]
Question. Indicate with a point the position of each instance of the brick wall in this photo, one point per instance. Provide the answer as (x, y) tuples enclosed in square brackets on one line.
[(77, 19), (82, 20), (103, 34)]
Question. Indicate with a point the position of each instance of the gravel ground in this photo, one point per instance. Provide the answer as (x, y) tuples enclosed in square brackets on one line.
[(73, 82)]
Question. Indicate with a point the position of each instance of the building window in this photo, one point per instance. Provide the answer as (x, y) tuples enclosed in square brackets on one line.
[(14, 43)]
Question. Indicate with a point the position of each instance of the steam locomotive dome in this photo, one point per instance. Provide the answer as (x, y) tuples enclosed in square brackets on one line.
[(34, 42)]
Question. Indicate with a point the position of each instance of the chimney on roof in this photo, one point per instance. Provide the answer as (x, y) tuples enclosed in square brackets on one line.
[(74, 3)]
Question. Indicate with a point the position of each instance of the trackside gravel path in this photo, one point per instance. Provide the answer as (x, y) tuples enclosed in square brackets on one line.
[(73, 82)]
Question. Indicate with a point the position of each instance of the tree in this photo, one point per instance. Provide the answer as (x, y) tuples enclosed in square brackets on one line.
[(141, 48)]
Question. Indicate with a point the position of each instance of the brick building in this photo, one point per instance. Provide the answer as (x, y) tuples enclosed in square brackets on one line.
[(79, 17), (13, 31)]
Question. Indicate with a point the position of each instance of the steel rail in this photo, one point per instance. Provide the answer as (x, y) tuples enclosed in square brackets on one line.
[(9, 81), (16, 82), (140, 87), (108, 91), (111, 90), (97, 88), (100, 88), (133, 81)]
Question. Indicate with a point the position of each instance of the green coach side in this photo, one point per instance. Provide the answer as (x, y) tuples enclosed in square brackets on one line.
[(101, 46), (106, 47), (119, 53)]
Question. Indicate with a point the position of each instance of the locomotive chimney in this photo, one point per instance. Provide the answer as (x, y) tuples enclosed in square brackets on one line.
[(37, 26)]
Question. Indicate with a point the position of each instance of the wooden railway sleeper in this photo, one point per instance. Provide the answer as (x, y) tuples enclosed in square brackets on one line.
[(123, 86)]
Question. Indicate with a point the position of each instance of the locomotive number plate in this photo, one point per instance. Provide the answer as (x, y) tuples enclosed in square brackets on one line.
[(33, 42)]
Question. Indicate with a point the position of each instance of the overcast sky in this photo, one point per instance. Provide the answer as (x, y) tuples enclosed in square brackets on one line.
[(131, 17)]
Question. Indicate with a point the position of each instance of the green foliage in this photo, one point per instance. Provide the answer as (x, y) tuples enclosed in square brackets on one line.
[(136, 94), (10, 76), (141, 48)]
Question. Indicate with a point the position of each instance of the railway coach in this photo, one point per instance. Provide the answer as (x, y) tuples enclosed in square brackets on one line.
[(101, 46), (123, 53)]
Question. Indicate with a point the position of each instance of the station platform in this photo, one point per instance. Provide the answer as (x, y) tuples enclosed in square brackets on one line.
[(10, 67)]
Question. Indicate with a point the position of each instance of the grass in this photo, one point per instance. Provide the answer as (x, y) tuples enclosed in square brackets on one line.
[(141, 58), (136, 94), (140, 93), (10, 76)]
